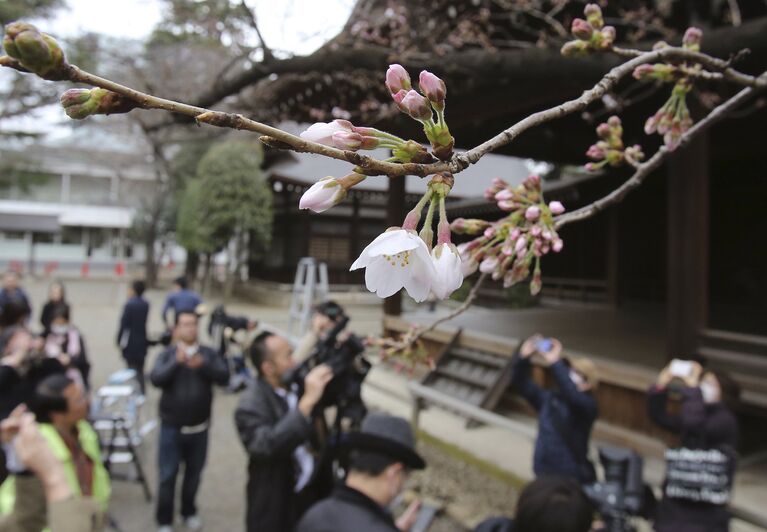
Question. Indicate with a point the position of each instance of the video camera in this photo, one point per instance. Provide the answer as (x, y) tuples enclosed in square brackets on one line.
[(345, 360), (623, 494)]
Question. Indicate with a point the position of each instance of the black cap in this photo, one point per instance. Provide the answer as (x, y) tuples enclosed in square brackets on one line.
[(389, 436)]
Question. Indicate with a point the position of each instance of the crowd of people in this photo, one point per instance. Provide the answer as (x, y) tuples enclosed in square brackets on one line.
[(302, 475)]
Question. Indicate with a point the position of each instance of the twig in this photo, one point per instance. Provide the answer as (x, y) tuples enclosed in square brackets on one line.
[(646, 168), (737, 20), (410, 340)]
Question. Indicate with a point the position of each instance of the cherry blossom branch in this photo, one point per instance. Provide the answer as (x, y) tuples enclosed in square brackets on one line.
[(410, 338), (371, 166), (645, 169), (600, 89)]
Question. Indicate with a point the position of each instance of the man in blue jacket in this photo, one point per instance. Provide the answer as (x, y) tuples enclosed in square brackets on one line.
[(181, 299), (565, 415), (131, 335)]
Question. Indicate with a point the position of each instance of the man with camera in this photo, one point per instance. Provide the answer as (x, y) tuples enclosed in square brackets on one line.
[(275, 426), (326, 316), (565, 415), (186, 372), (380, 457)]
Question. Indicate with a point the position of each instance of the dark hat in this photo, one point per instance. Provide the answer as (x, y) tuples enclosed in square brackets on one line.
[(386, 435)]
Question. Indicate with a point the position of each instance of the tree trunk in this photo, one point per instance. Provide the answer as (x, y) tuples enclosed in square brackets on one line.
[(192, 265), (206, 274), (150, 264)]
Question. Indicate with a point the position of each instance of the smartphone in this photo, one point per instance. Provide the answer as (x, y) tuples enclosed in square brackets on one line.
[(544, 345), (680, 368)]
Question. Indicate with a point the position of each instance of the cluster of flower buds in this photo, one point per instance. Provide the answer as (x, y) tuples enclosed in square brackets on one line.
[(509, 248), (328, 192), (401, 257), (423, 105), (36, 51), (591, 35), (673, 119), (344, 135), (81, 103), (609, 149)]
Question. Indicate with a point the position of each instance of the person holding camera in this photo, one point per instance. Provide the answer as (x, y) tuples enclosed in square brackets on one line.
[(565, 415), (186, 373), (380, 457), (276, 426), (324, 318), (704, 421)]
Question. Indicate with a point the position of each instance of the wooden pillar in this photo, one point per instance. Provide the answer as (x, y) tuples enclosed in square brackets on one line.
[(282, 217), (613, 243), (395, 213), (688, 236)]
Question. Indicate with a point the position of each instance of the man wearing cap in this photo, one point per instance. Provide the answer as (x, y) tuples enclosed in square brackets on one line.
[(380, 456), (565, 415)]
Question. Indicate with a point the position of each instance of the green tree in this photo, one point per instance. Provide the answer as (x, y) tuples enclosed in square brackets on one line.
[(234, 205)]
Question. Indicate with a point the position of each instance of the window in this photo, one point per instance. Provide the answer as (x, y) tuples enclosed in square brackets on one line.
[(329, 249)]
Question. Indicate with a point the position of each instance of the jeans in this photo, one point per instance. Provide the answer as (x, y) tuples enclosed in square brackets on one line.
[(191, 449)]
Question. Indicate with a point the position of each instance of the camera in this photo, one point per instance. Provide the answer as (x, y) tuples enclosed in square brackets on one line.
[(345, 360), (623, 494)]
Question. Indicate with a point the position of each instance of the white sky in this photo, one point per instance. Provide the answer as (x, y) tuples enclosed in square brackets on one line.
[(297, 26)]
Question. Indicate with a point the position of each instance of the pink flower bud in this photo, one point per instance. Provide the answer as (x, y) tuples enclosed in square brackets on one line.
[(508, 205), (397, 79), (532, 213), (322, 133), (644, 72), (432, 87), (345, 140), (546, 235), (608, 36), (488, 264), (692, 38), (504, 195), (520, 245), (416, 106), (557, 245), (593, 14), (398, 97), (507, 248), (603, 130), (499, 183), (489, 232), (515, 233), (556, 207), (595, 152), (536, 230), (581, 29)]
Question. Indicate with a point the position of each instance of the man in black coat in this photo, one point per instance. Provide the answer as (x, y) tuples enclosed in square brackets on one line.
[(275, 427), (131, 335), (186, 372), (565, 415), (380, 457)]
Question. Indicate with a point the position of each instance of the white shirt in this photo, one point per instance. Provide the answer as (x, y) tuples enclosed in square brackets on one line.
[(301, 454)]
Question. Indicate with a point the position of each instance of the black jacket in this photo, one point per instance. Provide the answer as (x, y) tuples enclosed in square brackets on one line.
[(187, 394), (700, 426), (131, 335), (565, 419), (270, 433), (347, 510), (16, 389)]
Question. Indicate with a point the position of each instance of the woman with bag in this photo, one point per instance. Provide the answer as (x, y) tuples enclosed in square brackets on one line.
[(708, 432)]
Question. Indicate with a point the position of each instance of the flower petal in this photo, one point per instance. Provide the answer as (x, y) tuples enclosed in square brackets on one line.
[(383, 278), (393, 242)]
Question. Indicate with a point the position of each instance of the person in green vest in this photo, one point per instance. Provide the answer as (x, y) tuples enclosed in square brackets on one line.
[(60, 406)]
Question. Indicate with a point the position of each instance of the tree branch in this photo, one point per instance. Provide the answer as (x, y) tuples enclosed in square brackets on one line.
[(646, 168)]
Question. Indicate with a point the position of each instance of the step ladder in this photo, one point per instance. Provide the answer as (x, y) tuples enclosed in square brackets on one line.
[(309, 288)]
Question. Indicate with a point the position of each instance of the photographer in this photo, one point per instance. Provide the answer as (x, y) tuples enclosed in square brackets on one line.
[(275, 426), (705, 421), (325, 317), (565, 416)]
